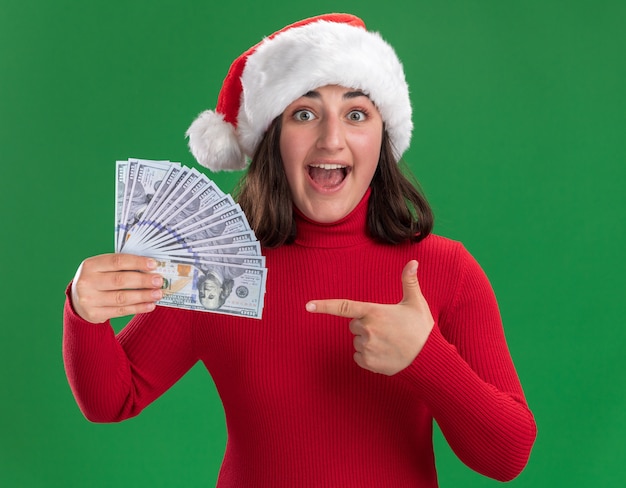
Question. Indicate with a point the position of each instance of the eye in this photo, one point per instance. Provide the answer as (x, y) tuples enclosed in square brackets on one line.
[(303, 115), (357, 116)]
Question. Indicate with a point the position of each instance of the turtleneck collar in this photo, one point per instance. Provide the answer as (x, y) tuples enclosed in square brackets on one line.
[(348, 231)]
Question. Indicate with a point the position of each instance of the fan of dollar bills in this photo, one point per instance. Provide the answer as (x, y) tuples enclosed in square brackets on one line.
[(206, 252)]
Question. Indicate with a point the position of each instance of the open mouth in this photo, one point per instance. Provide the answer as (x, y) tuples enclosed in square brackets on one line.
[(328, 176)]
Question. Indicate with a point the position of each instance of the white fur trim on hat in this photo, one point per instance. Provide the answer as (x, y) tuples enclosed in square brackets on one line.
[(214, 144)]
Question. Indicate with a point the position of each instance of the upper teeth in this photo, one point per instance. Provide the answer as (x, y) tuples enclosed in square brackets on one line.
[(329, 166)]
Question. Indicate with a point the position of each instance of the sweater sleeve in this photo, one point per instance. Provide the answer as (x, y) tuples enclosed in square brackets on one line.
[(114, 377), (466, 376)]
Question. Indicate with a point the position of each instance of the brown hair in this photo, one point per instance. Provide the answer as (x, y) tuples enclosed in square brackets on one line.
[(397, 212)]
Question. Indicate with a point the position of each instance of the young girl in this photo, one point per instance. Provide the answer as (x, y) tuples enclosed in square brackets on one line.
[(372, 326)]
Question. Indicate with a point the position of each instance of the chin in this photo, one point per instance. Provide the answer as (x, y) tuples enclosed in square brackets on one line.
[(325, 215)]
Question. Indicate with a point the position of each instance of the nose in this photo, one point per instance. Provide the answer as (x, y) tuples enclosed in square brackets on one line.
[(331, 135)]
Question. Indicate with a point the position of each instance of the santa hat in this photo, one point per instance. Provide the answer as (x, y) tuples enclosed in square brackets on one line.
[(333, 49)]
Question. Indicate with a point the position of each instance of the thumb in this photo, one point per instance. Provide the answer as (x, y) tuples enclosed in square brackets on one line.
[(411, 292)]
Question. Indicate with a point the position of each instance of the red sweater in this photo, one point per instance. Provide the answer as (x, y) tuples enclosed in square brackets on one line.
[(299, 411)]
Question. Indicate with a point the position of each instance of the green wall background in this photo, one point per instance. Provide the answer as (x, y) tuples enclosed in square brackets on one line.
[(519, 144)]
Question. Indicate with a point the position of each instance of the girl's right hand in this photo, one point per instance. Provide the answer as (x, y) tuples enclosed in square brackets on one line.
[(114, 285)]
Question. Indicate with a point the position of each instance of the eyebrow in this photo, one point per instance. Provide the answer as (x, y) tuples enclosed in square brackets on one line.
[(346, 96)]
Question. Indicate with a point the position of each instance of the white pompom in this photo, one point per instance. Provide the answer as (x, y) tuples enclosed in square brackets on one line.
[(213, 142)]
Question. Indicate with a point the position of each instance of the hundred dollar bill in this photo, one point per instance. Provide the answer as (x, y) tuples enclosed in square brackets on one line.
[(198, 203), (186, 218), (174, 200), (203, 201), (121, 172), (167, 233), (174, 175), (128, 178), (226, 289), (238, 259), (161, 200), (237, 249), (243, 249), (178, 193), (229, 224), (132, 170), (230, 244), (230, 221), (234, 254), (205, 261), (226, 240), (144, 182)]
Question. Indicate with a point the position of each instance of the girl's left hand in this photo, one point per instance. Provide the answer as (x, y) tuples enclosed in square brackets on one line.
[(387, 338)]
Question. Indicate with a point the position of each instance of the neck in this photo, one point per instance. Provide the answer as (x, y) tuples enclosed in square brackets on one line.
[(346, 232)]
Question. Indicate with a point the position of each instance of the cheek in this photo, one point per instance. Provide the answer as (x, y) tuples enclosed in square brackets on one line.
[(374, 142), (368, 152)]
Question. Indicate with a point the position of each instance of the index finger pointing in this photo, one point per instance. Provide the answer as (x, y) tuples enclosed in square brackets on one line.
[(338, 307)]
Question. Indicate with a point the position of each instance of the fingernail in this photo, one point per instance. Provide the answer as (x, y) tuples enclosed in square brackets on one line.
[(157, 294), (152, 264), (157, 281), (311, 307)]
